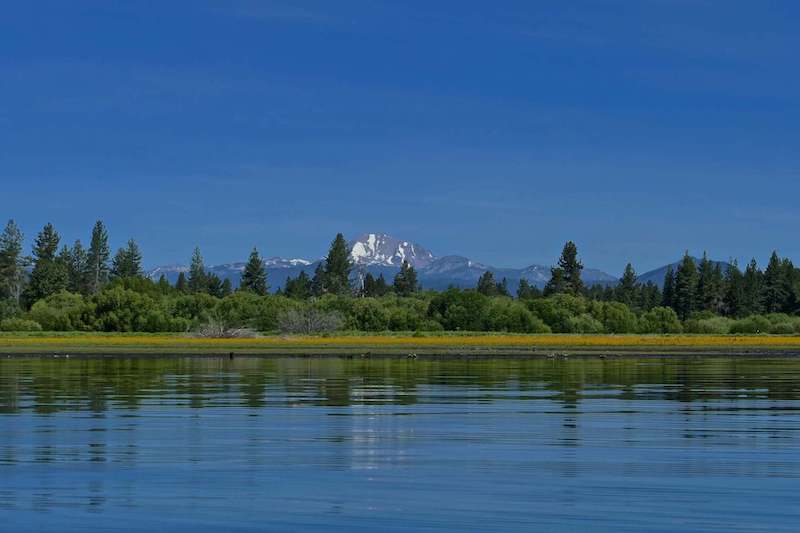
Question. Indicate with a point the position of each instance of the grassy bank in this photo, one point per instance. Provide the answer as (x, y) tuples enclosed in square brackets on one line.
[(394, 344)]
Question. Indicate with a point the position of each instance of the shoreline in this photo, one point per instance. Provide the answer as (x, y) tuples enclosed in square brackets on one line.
[(399, 346)]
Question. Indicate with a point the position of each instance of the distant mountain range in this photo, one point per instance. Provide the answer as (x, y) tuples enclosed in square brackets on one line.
[(379, 253), (657, 276)]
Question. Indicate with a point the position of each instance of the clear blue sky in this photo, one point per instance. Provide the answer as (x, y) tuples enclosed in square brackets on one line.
[(496, 130)]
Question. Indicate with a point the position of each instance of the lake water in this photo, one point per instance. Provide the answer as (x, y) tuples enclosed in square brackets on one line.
[(204, 444)]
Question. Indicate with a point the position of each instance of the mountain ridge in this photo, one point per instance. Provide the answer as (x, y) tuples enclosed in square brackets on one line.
[(380, 253)]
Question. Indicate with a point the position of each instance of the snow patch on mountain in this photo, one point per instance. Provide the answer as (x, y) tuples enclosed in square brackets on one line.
[(385, 250)]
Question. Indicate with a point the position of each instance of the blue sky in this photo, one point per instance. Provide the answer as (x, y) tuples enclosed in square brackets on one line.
[(496, 130)]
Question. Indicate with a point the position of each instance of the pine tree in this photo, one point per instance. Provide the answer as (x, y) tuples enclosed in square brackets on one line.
[(710, 290), (254, 277), (368, 289), (181, 285), (501, 288), (568, 262), (751, 290), (77, 261), (227, 288), (775, 289), (198, 279), (337, 267), (298, 288), (127, 262), (319, 281), (668, 292), (523, 289), (97, 258), (486, 284), (213, 285), (686, 287), (628, 286), (557, 283), (12, 262), (49, 274), (164, 286), (734, 290), (381, 287), (405, 282), (650, 296)]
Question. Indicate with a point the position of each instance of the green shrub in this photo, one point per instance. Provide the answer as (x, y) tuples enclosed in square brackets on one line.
[(783, 328), (751, 324), (19, 324), (62, 311), (660, 320), (617, 318), (461, 310), (717, 325), (9, 308), (584, 323)]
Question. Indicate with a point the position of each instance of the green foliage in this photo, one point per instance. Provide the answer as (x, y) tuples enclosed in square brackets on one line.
[(458, 310), (19, 324), (685, 300), (660, 320), (571, 267), (254, 277), (9, 308), (526, 291), (337, 267), (618, 318), (487, 285), (583, 323), (127, 262), (715, 325), (298, 288), (63, 311), (627, 289), (97, 269), (198, 279), (668, 292), (12, 262), (405, 282), (377, 287), (504, 314), (751, 324), (49, 274)]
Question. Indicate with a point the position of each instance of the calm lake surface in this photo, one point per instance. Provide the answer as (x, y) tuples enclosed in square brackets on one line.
[(203, 444)]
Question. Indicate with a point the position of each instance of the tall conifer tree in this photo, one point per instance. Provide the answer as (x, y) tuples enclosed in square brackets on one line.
[(686, 287), (198, 278), (337, 267), (751, 289), (668, 292), (49, 274), (127, 262), (12, 262), (405, 282), (627, 288), (572, 267), (97, 258), (254, 277)]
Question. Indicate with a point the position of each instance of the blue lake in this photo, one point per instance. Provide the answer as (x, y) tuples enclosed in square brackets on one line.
[(205, 444)]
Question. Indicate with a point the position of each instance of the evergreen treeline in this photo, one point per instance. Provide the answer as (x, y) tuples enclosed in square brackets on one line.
[(63, 288)]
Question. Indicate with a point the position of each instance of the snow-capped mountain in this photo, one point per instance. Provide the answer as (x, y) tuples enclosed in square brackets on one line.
[(383, 249), (279, 262), (379, 253)]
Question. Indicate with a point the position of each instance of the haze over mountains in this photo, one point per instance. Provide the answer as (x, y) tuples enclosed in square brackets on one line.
[(379, 253)]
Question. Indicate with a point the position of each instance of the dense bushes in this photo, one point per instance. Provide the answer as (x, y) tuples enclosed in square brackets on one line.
[(148, 307), (19, 324)]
